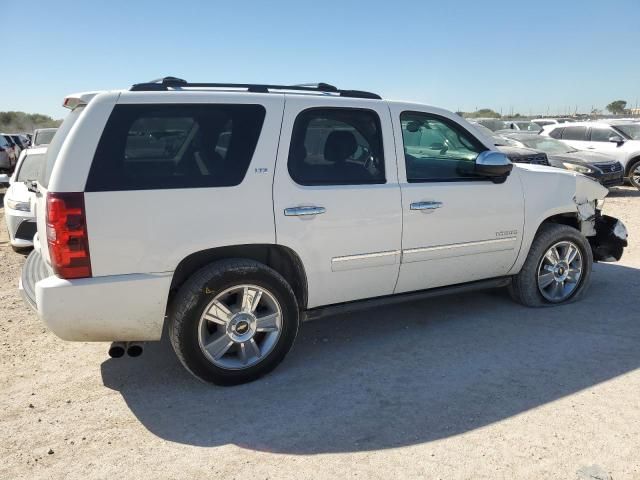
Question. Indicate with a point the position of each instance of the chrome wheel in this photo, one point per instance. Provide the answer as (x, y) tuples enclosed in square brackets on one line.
[(635, 175), (239, 327), (559, 271)]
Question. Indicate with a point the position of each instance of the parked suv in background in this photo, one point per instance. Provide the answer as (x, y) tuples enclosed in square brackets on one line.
[(7, 155), (618, 141), (13, 150), (235, 211)]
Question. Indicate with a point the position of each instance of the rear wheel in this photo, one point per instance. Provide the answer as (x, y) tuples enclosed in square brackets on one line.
[(233, 321), (557, 269)]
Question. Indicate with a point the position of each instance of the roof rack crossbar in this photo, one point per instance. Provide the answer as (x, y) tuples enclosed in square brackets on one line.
[(172, 82)]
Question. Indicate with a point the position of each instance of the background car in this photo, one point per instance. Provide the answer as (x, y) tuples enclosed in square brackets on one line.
[(19, 140), (18, 200), (620, 141), (603, 168), (521, 125), (43, 136), (7, 156), (492, 124), (516, 152), (13, 151)]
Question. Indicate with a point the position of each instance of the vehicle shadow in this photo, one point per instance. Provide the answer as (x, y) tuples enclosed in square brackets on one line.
[(396, 376)]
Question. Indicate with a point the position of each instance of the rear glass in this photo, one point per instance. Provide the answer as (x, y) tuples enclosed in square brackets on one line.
[(31, 167), (147, 147), (43, 137)]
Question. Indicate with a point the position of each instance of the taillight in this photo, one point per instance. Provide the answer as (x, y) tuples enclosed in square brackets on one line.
[(67, 235)]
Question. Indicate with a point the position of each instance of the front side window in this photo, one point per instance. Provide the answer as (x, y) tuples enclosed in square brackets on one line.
[(600, 134), (175, 146), (631, 130), (556, 133), (574, 133), (336, 146), (437, 149)]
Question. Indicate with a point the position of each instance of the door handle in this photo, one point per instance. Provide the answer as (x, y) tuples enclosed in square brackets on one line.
[(426, 207), (303, 211)]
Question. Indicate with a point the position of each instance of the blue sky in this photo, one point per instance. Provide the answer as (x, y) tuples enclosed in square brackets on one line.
[(525, 56)]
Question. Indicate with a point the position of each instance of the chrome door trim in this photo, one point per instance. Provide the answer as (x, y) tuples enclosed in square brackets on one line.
[(365, 260), (455, 248)]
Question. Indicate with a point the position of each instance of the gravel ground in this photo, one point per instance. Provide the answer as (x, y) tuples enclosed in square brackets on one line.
[(434, 389)]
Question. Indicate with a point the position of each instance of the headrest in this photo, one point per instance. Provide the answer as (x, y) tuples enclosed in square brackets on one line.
[(339, 146)]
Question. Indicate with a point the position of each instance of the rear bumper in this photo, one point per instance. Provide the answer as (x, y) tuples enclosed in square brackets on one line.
[(117, 307)]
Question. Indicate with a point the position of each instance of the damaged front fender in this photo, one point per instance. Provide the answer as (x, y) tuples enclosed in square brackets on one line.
[(610, 238)]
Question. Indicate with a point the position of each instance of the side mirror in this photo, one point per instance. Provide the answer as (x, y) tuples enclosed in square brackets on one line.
[(616, 139), (4, 179), (494, 165)]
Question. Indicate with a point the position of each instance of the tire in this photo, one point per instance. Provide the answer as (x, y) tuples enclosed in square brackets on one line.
[(222, 289), (634, 174), (525, 287)]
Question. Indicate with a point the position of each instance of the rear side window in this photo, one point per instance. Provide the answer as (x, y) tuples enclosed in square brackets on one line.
[(336, 146), (146, 147), (574, 133)]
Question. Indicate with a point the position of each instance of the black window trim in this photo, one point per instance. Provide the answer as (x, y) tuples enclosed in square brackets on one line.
[(346, 183), (456, 126)]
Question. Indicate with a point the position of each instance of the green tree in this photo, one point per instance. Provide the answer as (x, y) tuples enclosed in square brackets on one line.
[(483, 113), (617, 107), (21, 122)]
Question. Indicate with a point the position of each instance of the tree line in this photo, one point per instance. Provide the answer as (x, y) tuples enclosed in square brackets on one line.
[(21, 122)]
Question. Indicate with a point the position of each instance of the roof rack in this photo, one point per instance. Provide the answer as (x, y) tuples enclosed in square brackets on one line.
[(163, 84)]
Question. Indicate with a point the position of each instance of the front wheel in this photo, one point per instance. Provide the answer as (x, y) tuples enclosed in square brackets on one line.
[(634, 174), (233, 321), (557, 269)]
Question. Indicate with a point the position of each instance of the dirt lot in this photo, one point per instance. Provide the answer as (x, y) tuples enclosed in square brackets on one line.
[(480, 388)]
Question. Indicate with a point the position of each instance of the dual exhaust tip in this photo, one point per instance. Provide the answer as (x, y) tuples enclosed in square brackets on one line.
[(133, 349)]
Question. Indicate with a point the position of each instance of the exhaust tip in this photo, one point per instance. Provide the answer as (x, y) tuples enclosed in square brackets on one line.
[(134, 349), (117, 350)]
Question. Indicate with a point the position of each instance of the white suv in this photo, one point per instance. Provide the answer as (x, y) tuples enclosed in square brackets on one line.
[(236, 211), (619, 140)]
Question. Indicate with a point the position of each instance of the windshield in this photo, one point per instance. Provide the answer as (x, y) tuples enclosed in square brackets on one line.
[(43, 137), (546, 144), (632, 130), (31, 167)]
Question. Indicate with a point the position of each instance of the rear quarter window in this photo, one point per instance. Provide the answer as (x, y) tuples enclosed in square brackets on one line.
[(146, 147)]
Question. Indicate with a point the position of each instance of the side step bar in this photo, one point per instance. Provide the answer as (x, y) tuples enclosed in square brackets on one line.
[(348, 307)]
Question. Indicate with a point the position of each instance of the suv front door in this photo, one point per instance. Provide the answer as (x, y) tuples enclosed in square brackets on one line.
[(336, 196), (457, 227)]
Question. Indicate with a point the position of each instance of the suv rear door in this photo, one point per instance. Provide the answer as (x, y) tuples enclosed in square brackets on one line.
[(336, 196)]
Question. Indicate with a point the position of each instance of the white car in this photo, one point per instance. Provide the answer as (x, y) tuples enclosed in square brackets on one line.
[(620, 141), (236, 211), (19, 201)]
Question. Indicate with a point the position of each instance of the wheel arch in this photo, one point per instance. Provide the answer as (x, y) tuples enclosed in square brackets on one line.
[(630, 163), (282, 259)]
